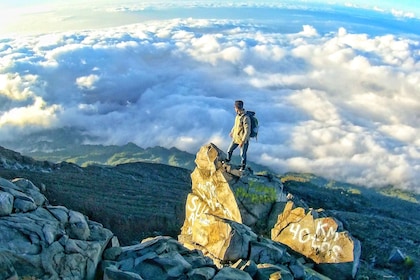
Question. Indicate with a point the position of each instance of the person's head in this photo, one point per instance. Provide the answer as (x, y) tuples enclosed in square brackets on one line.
[(239, 105)]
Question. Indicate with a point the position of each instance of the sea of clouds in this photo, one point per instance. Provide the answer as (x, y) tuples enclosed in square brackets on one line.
[(338, 104)]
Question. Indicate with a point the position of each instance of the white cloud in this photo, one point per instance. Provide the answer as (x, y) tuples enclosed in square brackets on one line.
[(36, 114), (308, 31), (400, 13), (87, 82), (15, 87), (338, 104)]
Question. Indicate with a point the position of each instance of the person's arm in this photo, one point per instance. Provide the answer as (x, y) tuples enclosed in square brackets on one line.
[(247, 129)]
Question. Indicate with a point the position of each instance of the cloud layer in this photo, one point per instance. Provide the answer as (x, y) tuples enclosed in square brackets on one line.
[(339, 104)]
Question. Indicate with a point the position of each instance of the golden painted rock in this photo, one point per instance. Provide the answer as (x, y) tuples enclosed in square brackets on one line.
[(211, 196), (316, 238)]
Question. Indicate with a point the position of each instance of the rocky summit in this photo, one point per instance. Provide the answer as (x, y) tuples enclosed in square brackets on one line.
[(45, 242), (237, 225), (226, 207)]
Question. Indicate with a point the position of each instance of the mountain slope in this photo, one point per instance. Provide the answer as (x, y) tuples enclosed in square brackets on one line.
[(84, 155), (70, 145), (138, 200), (134, 200)]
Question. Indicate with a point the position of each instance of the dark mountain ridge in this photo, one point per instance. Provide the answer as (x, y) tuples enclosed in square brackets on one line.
[(139, 200), (133, 200), (77, 146)]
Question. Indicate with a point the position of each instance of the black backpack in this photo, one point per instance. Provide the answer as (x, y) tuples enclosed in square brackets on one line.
[(254, 124)]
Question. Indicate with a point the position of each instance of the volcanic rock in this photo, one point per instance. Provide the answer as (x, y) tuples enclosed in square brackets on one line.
[(43, 241), (321, 239)]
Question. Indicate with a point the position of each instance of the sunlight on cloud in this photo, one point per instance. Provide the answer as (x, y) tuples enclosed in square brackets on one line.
[(36, 114), (402, 133), (308, 31), (13, 86), (315, 104), (87, 82), (268, 52)]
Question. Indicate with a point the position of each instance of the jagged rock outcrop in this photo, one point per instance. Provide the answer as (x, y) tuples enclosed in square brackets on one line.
[(217, 241), (320, 238), (43, 241), (15, 161), (166, 258), (226, 205), (220, 194), (156, 258)]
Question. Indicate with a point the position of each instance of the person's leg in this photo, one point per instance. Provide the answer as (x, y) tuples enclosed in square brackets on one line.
[(230, 150), (244, 150)]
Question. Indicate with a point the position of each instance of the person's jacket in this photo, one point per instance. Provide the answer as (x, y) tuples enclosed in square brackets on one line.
[(242, 128)]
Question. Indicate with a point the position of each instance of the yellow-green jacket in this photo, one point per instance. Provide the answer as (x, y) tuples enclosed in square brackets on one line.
[(242, 128)]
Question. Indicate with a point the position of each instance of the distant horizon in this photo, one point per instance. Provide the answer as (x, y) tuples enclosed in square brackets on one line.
[(45, 16), (335, 86), (287, 173)]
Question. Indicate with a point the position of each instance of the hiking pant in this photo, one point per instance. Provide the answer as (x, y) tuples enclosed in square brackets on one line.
[(242, 153)]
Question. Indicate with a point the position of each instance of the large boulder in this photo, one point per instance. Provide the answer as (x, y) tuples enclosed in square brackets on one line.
[(43, 241), (320, 238), (156, 258), (222, 212), (211, 197), (6, 203), (163, 257), (221, 191)]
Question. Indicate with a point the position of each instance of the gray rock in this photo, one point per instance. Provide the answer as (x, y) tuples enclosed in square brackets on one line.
[(202, 273), (396, 256), (256, 196), (160, 258), (61, 213), (150, 270), (78, 227), (266, 251), (248, 266), (50, 233), (230, 273), (47, 243), (173, 264), (16, 235), (196, 258), (13, 266), (314, 275), (31, 190), (7, 184), (113, 273), (298, 270), (240, 242), (7, 271), (342, 271), (271, 271), (22, 202), (112, 253), (6, 203)]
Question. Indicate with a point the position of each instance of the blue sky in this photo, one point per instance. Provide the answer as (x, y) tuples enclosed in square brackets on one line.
[(335, 87), (29, 16)]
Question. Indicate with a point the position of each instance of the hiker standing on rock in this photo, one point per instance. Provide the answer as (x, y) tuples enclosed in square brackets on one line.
[(240, 133)]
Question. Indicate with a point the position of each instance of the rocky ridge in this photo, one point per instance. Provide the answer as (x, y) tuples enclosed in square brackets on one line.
[(43, 241), (122, 197), (142, 253), (226, 205), (65, 244)]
